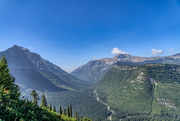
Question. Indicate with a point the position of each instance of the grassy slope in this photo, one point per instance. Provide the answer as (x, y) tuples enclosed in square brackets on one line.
[(129, 89)]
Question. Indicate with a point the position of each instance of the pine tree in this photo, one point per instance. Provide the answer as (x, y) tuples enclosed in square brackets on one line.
[(77, 116), (70, 110), (54, 109), (60, 110), (35, 97), (50, 106), (43, 101), (64, 111), (7, 81), (81, 118)]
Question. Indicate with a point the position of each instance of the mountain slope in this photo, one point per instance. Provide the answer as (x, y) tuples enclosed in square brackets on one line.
[(44, 66), (146, 89), (94, 70), (33, 72), (36, 73)]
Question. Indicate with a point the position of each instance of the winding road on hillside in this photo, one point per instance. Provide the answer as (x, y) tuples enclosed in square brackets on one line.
[(108, 108)]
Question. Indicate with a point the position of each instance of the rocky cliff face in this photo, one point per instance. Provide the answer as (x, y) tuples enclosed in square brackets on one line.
[(34, 72), (94, 70)]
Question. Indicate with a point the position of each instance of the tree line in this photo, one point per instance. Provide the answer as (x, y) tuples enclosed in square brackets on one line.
[(67, 112)]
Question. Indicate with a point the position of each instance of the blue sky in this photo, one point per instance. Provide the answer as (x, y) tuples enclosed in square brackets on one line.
[(70, 33)]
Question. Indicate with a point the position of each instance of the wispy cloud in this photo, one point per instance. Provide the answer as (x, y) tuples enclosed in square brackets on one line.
[(117, 51), (170, 50), (94, 58), (155, 51), (30, 48)]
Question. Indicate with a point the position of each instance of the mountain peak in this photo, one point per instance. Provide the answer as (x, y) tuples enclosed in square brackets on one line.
[(14, 48), (17, 48), (119, 57), (34, 72), (24, 49)]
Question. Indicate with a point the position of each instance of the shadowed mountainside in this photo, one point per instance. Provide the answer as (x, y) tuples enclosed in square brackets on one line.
[(34, 72)]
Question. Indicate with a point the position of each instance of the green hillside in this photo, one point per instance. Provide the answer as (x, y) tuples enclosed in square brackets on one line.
[(146, 90)]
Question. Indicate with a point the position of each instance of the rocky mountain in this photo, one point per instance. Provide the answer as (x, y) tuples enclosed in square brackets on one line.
[(34, 72), (132, 90), (94, 70)]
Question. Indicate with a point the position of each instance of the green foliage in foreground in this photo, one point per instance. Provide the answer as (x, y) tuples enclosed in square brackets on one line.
[(13, 108)]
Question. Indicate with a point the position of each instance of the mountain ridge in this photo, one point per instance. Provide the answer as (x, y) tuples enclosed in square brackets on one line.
[(94, 70), (25, 65)]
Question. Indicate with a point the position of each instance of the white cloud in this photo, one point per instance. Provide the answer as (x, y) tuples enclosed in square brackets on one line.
[(117, 51), (170, 50), (155, 51), (30, 48), (94, 58)]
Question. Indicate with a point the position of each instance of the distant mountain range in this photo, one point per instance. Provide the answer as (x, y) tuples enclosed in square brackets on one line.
[(94, 70), (34, 72)]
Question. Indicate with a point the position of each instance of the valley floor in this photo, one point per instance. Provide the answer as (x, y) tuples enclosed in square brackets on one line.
[(83, 102), (108, 107)]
